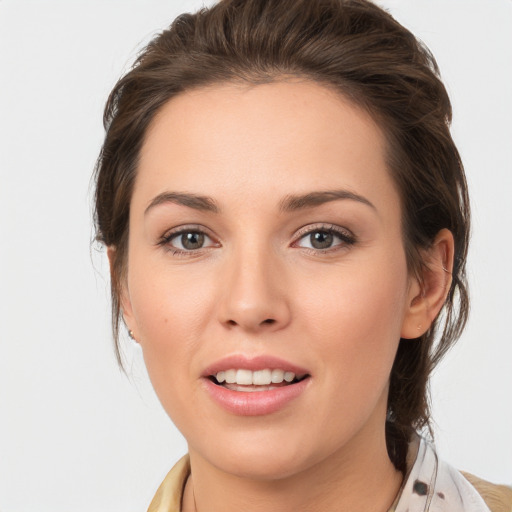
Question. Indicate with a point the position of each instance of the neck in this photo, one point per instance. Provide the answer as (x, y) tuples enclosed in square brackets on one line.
[(358, 478)]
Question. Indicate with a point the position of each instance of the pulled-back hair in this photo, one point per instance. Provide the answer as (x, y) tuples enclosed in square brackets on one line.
[(357, 49)]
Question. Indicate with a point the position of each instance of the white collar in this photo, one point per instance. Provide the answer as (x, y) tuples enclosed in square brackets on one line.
[(434, 486)]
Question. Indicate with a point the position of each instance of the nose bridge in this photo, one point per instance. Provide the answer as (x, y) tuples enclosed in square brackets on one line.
[(254, 296)]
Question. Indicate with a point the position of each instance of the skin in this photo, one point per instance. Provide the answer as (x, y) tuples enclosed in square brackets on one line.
[(259, 287)]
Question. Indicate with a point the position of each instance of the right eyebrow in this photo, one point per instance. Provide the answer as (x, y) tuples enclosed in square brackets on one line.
[(203, 203), (293, 203)]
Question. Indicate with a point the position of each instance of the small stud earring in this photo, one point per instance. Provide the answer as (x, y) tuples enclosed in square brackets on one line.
[(130, 333)]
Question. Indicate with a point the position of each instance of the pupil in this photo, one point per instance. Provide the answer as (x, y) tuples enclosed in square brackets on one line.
[(321, 240), (192, 240)]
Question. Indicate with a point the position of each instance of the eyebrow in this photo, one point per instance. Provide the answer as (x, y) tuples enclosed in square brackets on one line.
[(289, 204), (202, 203), (298, 202)]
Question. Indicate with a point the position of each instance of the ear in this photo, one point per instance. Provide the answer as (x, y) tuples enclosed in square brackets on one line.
[(122, 291), (428, 291)]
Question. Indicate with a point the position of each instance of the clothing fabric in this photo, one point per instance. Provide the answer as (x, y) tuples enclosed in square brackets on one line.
[(434, 486), (430, 485)]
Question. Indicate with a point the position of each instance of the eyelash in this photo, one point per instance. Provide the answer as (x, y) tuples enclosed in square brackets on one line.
[(346, 237), (175, 251)]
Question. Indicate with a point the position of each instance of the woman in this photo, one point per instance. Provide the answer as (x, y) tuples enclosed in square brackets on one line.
[(287, 220)]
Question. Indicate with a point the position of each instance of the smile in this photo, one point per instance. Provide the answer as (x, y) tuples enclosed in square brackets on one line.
[(254, 386), (260, 380)]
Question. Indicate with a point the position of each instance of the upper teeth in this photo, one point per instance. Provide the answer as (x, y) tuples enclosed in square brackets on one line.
[(258, 378)]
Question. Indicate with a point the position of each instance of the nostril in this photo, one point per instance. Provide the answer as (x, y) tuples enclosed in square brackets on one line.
[(250, 322)]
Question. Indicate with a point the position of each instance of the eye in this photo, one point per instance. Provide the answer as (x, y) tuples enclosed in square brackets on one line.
[(187, 240), (320, 239), (324, 238)]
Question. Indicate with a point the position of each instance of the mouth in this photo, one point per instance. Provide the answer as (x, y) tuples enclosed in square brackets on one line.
[(255, 386), (248, 381)]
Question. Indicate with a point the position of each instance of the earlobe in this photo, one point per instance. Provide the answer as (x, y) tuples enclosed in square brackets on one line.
[(428, 292), (119, 285)]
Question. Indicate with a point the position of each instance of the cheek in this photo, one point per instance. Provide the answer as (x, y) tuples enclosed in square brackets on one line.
[(369, 295), (169, 320), (355, 332), (357, 324), (170, 312)]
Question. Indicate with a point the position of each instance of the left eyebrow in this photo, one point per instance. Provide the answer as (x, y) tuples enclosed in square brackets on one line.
[(292, 203), (202, 203)]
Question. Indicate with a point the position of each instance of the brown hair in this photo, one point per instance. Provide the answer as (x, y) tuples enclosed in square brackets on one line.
[(359, 50)]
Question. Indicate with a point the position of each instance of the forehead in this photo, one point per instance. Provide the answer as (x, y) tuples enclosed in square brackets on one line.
[(234, 140)]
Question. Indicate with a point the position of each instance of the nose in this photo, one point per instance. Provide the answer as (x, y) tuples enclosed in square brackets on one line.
[(254, 292)]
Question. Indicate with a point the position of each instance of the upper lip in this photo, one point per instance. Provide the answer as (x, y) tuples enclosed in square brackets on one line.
[(262, 362)]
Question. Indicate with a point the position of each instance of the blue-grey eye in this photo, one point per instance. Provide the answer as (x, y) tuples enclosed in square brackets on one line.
[(324, 239), (321, 239), (189, 240)]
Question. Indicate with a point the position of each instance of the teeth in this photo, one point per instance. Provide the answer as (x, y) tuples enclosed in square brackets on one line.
[(244, 377), (277, 376), (289, 376), (262, 378), (230, 376)]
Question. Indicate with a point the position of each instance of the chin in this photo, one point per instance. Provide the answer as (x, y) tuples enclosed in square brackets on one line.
[(261, 457), (260, 467)]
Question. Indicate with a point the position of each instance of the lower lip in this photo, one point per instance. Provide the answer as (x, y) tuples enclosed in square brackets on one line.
[(256, 403)]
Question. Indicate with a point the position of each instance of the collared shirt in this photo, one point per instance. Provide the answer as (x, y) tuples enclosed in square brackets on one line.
[(433, 485), (430, 485)]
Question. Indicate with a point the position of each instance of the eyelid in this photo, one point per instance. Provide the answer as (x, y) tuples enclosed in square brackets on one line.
[(170, 234), (347, 237)]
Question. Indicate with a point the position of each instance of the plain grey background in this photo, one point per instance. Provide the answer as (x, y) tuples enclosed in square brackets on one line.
[(75, 434)]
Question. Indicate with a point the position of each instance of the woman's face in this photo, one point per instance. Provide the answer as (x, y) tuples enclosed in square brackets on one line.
[(265, 237)]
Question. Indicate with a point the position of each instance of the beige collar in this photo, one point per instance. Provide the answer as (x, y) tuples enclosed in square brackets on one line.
[(169, 494)]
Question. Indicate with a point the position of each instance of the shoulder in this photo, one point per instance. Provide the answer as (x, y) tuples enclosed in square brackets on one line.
[(497, 497)]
